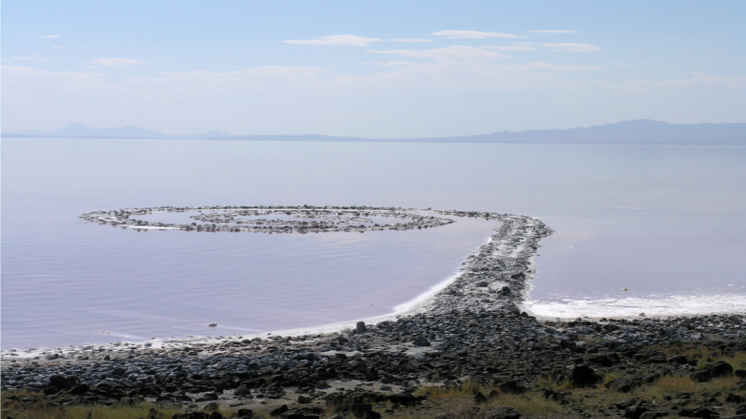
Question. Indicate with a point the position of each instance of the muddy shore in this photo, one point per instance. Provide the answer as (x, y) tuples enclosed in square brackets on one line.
[(473, 330)]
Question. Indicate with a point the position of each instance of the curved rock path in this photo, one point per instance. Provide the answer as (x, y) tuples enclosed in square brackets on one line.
[(473, 328), (308, 219)]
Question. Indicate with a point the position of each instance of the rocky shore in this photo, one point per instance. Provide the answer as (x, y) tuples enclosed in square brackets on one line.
[(473, 331)]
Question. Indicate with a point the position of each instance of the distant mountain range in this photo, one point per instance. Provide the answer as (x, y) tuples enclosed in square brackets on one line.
[(78, 130), (628, 132)]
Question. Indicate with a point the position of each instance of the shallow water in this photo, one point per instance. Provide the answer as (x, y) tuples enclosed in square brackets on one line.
[(665, 222)]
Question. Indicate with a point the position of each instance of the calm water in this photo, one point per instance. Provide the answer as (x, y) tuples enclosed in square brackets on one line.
[(665, 222)]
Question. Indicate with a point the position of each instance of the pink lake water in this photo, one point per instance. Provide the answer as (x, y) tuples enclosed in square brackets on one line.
[(667, 222)]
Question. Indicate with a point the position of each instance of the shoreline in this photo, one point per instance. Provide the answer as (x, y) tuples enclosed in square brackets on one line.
[(422, 303), (469, 328)]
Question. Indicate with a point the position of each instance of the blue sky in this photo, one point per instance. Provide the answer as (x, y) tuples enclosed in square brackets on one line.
[(372, 69)]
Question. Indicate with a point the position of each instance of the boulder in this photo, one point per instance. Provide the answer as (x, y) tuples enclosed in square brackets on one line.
[(625, 403), (62, 382), (80, 389), (584, 376), (421, 341), (512, 387), (479, 398), (679, 359), (242, 391), (735, 398), (721, 369), (601, 360), (623, 385), (636, 410), (278, 411)]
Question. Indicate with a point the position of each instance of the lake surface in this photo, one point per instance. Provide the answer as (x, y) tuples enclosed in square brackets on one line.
[(666, 222)]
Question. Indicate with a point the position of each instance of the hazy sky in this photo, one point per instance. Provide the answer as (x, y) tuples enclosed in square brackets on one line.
[(371, 69)]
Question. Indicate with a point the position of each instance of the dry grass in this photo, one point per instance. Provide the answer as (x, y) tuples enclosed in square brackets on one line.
[(738, 361), (528, 405), (721, 384), (42, 411), (548, 382), (673, 384), (455, 399)]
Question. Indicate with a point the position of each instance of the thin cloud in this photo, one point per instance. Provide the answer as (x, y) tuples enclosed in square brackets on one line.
[(117, 62), (451, 53), (35, 58), (571, 47), (335, 41), (553, 31), (56, 46), (473, 35), (48, 36), (410, 40), (518, 46)]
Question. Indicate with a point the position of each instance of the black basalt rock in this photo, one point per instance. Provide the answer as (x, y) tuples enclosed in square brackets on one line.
[(584, 376), (421, 341), (512, 387)]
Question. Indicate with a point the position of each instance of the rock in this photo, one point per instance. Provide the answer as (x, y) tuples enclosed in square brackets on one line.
[(636, 410), (405, 399), (512, 387), (80, 389), (703, 413), (721, 369), (679, 359), (479, 398), (557, 396), (208, 397), (364, 411), (278, 411), (304, 400), (63, 383), (623, 385), (567, 344), (242, 391), (211, 407), (735, 398), (658, 358), (584, 376), (499, 413), (701, 376), (360, 327), (421, 341), (299, 414), (245, 413), (191, 415), (740, 373), (625, 403), (601, 360)]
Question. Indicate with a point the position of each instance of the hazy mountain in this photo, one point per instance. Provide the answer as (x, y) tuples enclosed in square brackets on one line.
[(78, 130), (627, 132)]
